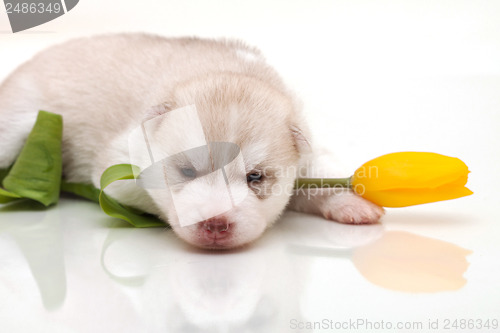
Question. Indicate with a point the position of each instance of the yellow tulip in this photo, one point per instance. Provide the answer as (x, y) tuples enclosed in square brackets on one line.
[(411, 178)]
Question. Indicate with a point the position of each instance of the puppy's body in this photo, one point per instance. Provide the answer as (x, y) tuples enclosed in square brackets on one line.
[(105, 87)]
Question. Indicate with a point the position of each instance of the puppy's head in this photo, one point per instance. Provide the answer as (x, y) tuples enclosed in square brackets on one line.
[(229, 183)]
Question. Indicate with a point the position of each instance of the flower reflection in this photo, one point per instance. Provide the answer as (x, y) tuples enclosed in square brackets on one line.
[(407, 262), (395, 260)]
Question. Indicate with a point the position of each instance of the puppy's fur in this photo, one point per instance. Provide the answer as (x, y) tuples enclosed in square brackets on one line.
[(104, 86)]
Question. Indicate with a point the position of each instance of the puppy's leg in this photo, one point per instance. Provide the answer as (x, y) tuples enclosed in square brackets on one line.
[(341, 205)]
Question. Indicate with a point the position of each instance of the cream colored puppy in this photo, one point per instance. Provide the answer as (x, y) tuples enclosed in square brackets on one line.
[(106, 86)]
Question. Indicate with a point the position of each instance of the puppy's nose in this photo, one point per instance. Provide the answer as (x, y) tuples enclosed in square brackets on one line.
[(215, 225)]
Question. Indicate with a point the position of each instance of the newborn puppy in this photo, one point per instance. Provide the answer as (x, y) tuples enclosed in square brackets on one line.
[(108, 86)]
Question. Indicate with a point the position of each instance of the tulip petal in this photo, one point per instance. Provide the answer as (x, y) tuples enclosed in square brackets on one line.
[(410, 197), (409, 170)]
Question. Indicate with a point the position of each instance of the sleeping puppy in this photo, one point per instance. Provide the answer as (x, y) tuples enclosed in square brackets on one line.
[(109, 86)]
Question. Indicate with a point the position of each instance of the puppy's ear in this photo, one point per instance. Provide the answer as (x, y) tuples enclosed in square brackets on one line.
[(301, 141), (158, 110)]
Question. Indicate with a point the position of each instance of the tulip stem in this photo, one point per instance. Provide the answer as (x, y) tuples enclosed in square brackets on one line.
[(309, 183)]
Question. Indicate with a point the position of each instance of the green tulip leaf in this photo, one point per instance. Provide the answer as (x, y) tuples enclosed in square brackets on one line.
[(109, 205), (87, 191), (3, 173), (37, 172), (37, 175), (6, 196), (113, 208)]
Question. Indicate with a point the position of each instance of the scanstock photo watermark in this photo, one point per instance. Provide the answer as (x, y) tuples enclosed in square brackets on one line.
[(172, 161), (25, 14), (364, 324)]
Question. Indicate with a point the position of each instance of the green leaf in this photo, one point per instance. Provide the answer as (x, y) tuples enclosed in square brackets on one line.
[(113, 208), (118, 172), (6, 197), (87, 191), (37, 172), (3, 173), (37, 175)]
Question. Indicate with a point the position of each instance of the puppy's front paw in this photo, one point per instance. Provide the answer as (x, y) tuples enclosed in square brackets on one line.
[(350, 208)]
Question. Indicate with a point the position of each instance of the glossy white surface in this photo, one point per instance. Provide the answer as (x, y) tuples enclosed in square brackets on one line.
[(375, 77)]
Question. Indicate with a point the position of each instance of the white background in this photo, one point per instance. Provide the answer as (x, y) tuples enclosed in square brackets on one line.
[(375, 77)]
